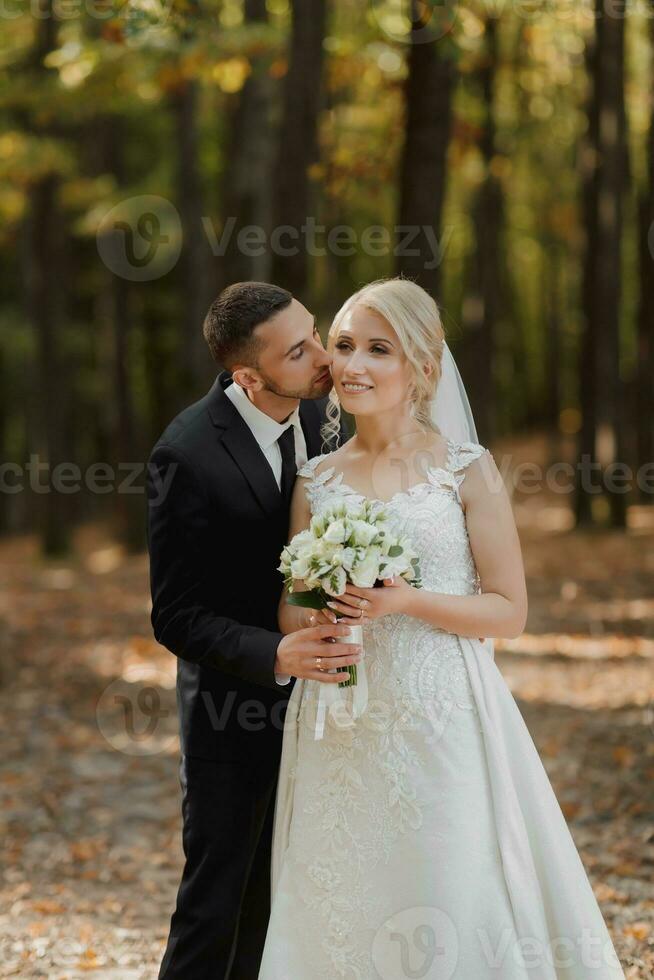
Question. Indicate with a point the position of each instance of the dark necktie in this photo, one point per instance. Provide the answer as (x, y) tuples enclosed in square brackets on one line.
[(286, 444)]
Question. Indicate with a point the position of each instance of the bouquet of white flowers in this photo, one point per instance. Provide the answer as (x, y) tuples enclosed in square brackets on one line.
[(346, 542)]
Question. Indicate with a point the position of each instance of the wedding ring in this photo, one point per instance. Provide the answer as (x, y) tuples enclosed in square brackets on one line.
[(318, 663)]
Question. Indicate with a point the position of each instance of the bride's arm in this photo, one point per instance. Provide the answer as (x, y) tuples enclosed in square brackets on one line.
[(501, 608)]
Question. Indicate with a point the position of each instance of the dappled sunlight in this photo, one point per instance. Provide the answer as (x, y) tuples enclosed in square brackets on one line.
[(579, 647), (583, 686)]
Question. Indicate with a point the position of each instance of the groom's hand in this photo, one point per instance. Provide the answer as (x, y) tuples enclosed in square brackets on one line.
[(297, 653)]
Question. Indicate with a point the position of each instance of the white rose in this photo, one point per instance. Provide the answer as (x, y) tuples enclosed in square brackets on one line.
[(336, 532), (301, 566), (354, 510), (317, 525), (344, 557), (302, 540), (336, 511), (385, 540), (334, 584), (394, 566), (285, 562), (363, 533), (365, 572), (375, 512)]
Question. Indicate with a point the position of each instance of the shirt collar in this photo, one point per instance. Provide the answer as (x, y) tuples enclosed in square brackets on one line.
[(265, 429)]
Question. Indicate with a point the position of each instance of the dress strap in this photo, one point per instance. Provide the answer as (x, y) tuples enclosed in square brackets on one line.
[(461, 455), (314, 486), (308, 469), (459, 458)]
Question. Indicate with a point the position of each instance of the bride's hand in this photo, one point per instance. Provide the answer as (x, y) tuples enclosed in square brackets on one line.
[(363, 605), (318, 617)]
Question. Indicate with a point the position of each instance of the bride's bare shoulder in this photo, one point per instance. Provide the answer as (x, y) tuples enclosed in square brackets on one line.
[(335, 459)]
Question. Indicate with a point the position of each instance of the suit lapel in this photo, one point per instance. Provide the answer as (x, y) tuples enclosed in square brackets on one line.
[(244, 449), (241, 445)]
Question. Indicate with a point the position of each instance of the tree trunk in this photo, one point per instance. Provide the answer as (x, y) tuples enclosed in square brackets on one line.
[(483, 308), (6, 499), (126, 447), (194, 266), (601, 438), (162, 396), (612, 138), (43, 230), (428, 111), (553, 345), (645, 367), (298, 144), (129, 506), (247, 181), (587, 372)]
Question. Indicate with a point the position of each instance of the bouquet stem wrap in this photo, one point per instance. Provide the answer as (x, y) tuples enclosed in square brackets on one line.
[(334, 698)]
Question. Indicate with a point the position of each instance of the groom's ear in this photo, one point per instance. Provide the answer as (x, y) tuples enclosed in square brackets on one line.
[(247, 378)]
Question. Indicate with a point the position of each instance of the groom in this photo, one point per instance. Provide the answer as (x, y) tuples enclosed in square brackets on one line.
[(215, 535)]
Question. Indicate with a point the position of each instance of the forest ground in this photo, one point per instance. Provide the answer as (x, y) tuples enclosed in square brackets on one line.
[(90, 814)]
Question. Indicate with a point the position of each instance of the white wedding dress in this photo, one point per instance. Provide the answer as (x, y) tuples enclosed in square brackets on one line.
[(424, 839)]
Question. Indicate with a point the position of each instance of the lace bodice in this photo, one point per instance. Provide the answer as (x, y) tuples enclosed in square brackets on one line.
[(430, 513)]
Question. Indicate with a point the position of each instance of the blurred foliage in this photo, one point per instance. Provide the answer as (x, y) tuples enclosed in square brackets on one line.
[(122, 65)]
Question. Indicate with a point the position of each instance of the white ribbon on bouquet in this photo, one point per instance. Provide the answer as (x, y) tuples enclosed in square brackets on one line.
[(333, 698)]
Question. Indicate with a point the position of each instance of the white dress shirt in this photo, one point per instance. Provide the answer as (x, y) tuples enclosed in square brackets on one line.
[(267, 431)]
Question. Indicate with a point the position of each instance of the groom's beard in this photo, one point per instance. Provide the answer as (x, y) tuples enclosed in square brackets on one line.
[(317, 389)]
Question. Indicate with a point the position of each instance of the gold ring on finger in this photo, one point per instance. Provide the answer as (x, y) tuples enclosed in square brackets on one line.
[(318, 663)]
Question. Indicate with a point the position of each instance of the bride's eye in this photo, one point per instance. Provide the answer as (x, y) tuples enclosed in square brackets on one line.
[(378, 350), (342, 346)]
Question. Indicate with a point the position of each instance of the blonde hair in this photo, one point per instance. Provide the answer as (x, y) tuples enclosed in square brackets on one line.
[(416, 320)]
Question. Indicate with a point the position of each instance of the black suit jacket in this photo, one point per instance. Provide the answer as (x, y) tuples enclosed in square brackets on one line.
[(216, 528)]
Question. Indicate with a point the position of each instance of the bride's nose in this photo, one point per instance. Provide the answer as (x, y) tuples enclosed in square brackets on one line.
[(353, 365)]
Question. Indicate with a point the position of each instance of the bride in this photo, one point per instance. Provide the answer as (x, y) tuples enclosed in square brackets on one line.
[(416, 831)]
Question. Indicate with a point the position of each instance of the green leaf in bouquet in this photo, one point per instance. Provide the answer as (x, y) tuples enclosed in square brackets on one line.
[(312, 599), (417, 581)]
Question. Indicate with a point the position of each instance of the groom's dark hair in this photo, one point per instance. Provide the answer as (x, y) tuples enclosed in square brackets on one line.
[(229, 325)]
